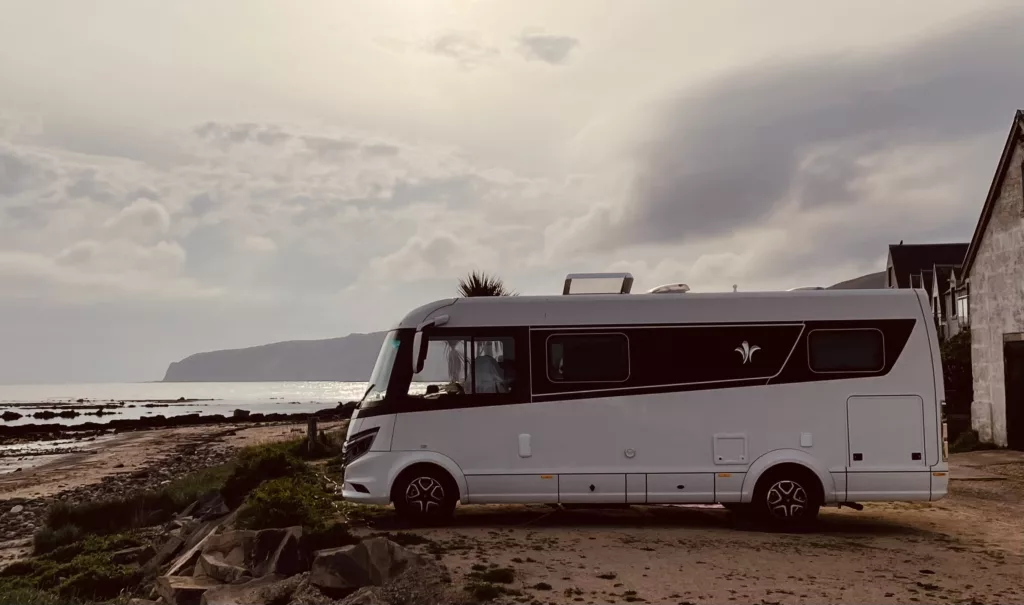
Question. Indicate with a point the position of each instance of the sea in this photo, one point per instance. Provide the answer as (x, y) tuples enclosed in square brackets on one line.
[(143, 399)]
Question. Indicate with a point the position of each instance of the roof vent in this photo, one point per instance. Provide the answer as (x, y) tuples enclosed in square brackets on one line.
[(597, 283), (670, 289)]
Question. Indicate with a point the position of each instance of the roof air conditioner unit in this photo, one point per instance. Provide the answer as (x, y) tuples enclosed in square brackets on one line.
[(597, 283), (670, 289)]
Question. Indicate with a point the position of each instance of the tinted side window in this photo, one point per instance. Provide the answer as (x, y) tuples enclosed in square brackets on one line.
[(588, 358), (846, 351)]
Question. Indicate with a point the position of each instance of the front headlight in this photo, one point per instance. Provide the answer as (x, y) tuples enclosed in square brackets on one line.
[(358, 444)]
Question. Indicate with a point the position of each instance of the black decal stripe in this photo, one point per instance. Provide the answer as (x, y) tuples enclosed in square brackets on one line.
[(681, 355), (661, 363)]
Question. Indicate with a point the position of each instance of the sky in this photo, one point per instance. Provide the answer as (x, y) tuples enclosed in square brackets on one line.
[(185, 176)]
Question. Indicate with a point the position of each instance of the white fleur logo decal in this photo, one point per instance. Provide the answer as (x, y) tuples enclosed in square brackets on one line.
[(746, 351)]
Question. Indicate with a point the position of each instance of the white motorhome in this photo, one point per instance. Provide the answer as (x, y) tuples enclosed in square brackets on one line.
[(774, 403)]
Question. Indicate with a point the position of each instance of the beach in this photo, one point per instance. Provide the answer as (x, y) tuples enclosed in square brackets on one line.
[(110, 466)]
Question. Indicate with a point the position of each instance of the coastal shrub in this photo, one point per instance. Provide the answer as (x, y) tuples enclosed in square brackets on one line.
[(257, 464), (89, 576), (284, 502), (968, 441), (108, 516), (10, 595), (326, 445), (47, 539), (188, 488), (66, 523), (92, 545), (101, 580)]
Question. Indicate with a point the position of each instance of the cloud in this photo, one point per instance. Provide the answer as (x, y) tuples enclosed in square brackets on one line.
[(110, 272), (259, 243), (431, 256), (535, 45), (142, 220), (236, 134), (466, 48), (262, 220), (19, 173), (737, 151)]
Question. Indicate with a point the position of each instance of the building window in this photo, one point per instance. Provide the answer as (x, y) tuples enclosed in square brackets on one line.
[(588, 357), (963, 310), (856, 350)]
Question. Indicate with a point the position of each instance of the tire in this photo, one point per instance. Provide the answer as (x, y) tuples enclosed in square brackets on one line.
[(788, 498), (424, 494)]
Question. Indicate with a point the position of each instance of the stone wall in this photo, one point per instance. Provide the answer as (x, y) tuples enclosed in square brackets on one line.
[(997, 303)]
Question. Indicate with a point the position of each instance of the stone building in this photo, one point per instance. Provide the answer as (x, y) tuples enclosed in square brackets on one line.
[(992, 281)]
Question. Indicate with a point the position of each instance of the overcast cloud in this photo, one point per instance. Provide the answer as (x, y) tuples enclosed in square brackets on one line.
[(177, 178)]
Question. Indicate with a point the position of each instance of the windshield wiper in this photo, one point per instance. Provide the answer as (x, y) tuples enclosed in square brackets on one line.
[(367, 392)]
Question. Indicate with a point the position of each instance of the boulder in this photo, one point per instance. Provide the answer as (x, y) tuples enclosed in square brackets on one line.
[(183, 590), (212, 566), (185, 563), (138, 554), (371, 562), (234, 547), (278, 551), (210, 506), (188, 510), (367, 595), (170, 546), (183, 528), (308, 594), (224, 556), (240, 414), (268, 590)]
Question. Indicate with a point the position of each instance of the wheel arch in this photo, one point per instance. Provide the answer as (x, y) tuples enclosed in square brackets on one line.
[(432, 458), (766, 462)]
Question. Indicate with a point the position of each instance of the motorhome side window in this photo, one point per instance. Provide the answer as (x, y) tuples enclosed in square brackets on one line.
[(588, 357), (467, 365), (846, 350)]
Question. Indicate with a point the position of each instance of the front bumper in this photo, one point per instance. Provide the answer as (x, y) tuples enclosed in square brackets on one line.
[(367, 478)]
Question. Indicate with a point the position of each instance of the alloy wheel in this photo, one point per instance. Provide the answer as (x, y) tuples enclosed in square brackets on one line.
[(424, 494), (787, 499)]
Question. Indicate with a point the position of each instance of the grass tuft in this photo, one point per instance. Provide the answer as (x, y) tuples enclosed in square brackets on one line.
[(484, 592), (257, 464), (285, 502), (499, 575)]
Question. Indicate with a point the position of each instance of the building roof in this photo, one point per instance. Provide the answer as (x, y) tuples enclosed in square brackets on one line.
[(1016, 134), (926, 280), (911, 259), (869, 281), (942, 275)]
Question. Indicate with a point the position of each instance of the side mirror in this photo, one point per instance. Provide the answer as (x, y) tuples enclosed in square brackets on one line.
[(419, 345), (419, 352)]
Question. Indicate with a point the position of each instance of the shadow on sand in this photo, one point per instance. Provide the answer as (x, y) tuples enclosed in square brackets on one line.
[(642, 516)]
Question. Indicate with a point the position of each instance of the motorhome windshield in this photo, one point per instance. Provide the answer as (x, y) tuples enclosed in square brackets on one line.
[(381, 375)]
